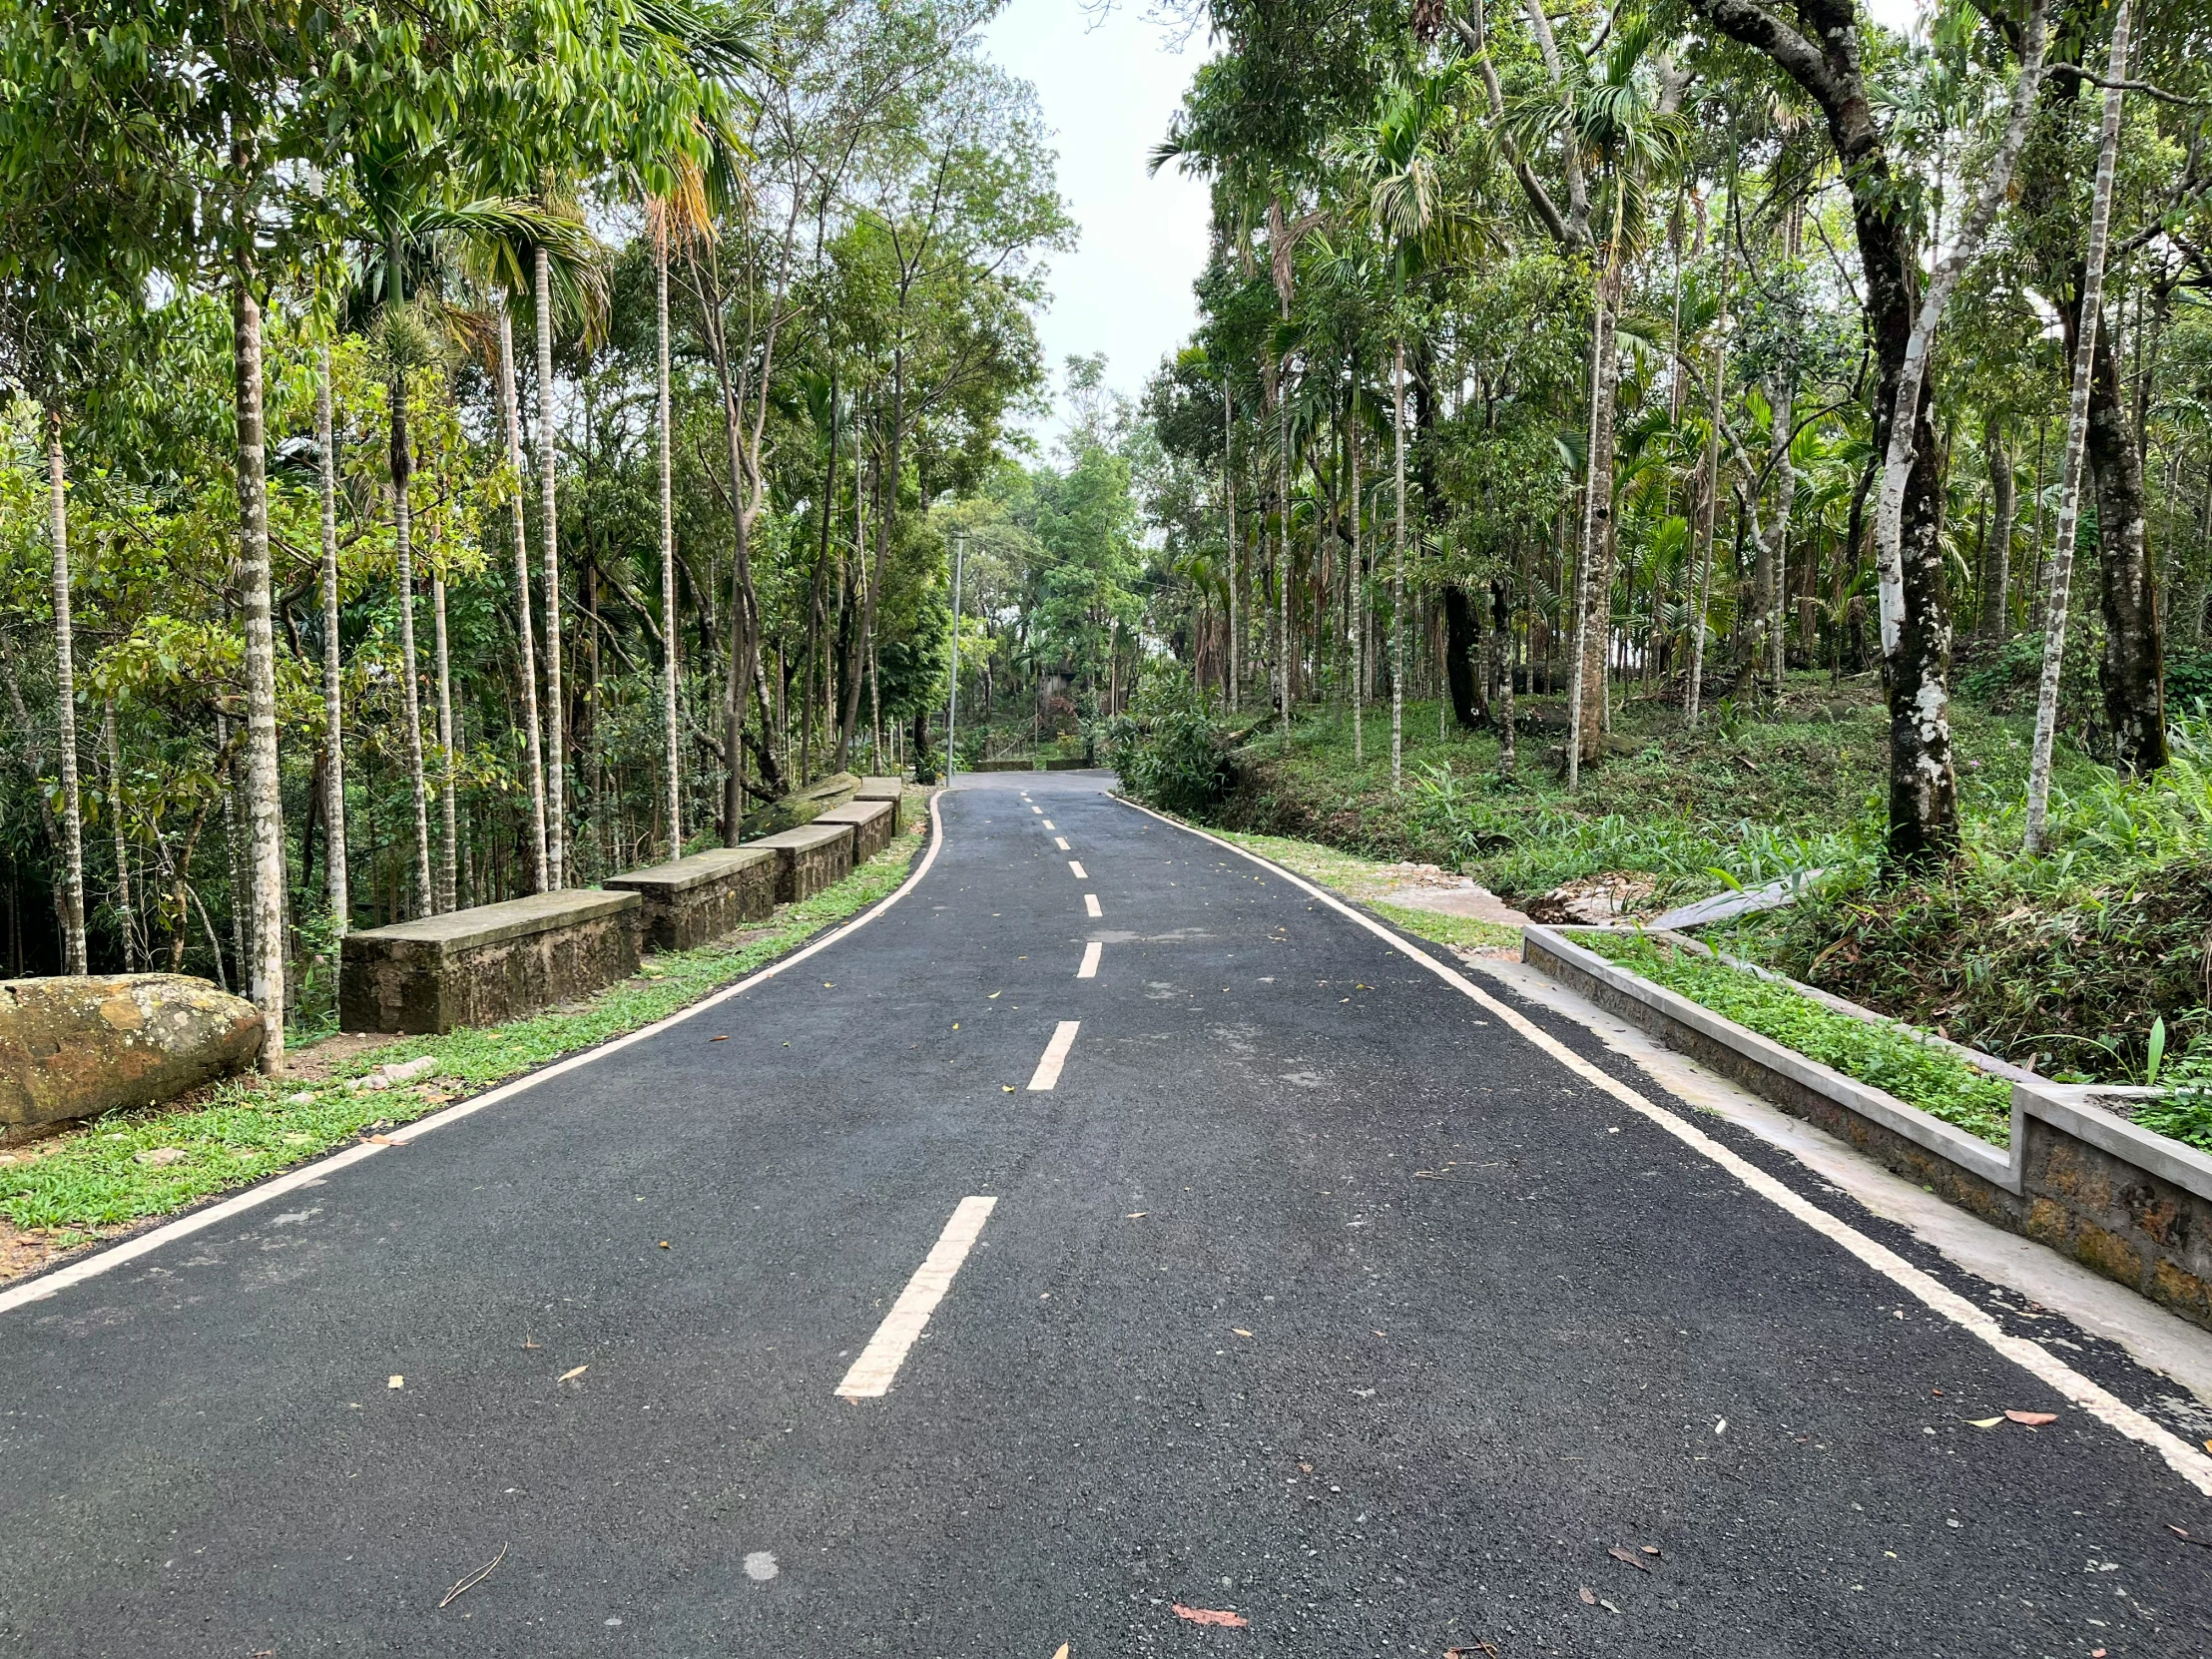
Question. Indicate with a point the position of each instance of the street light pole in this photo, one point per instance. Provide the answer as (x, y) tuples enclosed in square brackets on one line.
[(952, 708)]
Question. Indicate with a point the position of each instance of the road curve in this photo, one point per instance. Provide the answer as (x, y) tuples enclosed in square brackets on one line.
[(1238, 1285)]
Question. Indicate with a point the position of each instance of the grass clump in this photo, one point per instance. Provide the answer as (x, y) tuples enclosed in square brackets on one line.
[(1888, 1057), (249, 1128)]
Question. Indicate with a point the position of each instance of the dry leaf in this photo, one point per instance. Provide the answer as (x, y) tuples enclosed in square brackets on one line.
[(1589, 1596), (1634, 1560), (1063, 1653), (572, 1376), (396, 1383), (475, 1578), (725, 1037), (1983, 1423), (1136, 1215), (2034, 1419), (1209, 1615), (2183, 1534), (381, 1140), (1240, 1331), (1651, 1549), (664, 1244)]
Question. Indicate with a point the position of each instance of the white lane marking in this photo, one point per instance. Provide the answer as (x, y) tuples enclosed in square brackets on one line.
[(1055, 1055), (307, 1175), (1048, 823), (2184, 1459), (1060, 842), (871, 1373), (1039, 810), (1090, 905), (1091, 955), (1077, 865)]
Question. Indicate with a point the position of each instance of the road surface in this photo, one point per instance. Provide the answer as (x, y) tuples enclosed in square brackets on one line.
[(1267, 1275)]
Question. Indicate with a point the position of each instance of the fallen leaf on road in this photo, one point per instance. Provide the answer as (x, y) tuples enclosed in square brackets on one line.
[(1481, 1646), (664, 1244), (396, 1383), (2183, 1534), (2034, 1419), (993, 997), (1651, 1549), (1607, 1605), (1634, 1560), (381, 1140), (1240, 1331), (1209, 1615), (1136, 1215), (725, 1037), (1589, 1596), (1063, 1653), (1983, 1423), (475, 1578), (572, 1376)]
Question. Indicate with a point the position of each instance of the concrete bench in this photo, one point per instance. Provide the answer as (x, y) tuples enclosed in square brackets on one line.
[(872, 822), (488, 965), (696, 900), (893, 789), (810, 858)]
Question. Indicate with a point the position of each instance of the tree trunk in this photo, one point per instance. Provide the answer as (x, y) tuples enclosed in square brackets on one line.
[(2132, 673), (264, 808), (2090, 313), (65, 700), (556, 735), (1503, 619), (1398, 580), (1767, 577), (335, 874), (525, 629), (1461, 630), (1997, 556), (126, 917), (1359, 575), (1593, 583), (1283, 541), (402, 523), (450, 849), (672, 637), (1228, 490)]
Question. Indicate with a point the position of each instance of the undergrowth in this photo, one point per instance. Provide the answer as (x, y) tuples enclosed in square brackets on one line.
[(247, 1129), (1921, 1074)]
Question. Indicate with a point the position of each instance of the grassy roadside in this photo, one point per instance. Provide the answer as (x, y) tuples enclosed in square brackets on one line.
[(128, 1166)]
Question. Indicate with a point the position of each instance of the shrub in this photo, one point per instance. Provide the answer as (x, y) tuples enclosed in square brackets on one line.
[(1168, 747)]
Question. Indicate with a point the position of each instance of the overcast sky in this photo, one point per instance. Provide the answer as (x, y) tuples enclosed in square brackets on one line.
[(1109, 90)]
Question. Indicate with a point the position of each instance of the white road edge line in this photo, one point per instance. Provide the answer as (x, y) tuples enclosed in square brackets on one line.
[(1076, 864), (1090, 907), (307, 1175), (1047, 1073), (871, 1373), (1091, 955), (2184, 1459)]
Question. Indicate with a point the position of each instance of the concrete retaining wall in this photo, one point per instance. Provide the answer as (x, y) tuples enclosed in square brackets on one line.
[(2132, 1205), (696, 900), (810, 858), (490, 963), (872, 822), (893, 789)]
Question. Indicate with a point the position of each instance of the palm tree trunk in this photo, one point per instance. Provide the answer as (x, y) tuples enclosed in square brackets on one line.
[(1593, 581), (1502, 618), (264, 808), (556, 760), (449, 846), (526, 642), (670, 639), (335, 874), (125, 918), (1398, 581), (1229, 489), (65, 698), (1997, 556), (1768, 581), (402, 523), (1708, 506), (2077, 434)]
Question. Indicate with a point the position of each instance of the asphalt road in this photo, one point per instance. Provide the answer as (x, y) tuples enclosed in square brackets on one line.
[(1312, 1294)]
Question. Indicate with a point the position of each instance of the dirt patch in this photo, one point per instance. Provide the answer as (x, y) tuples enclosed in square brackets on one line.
[(1429, 888), (318, 1062), (1594, 900)]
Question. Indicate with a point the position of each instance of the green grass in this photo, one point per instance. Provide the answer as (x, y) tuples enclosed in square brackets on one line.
[(1366, 881), (247, 1129), (1921, 1074)]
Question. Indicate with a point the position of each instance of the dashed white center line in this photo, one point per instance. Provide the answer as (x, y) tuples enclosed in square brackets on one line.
[(1077, 865), (1060, 842), (1055, 1055), (1090, 905), (871, 1373), (1037, 810), (1091, 955), (1048, 823)]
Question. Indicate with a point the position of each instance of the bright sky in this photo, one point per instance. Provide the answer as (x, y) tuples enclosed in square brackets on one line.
[(1109, 92)]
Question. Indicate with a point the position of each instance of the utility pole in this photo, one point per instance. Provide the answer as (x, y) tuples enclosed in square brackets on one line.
[(952, 708)]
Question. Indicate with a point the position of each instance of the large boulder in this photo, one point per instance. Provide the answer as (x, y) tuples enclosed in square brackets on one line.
[(77, 1047)]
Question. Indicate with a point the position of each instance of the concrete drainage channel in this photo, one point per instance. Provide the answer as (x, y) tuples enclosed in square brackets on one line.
[(2132, 1205)]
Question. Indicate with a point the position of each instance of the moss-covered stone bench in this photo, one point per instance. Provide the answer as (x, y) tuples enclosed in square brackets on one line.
[(893, 789), (808, 858), (696, 900), (872, 822), (486, 964)]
